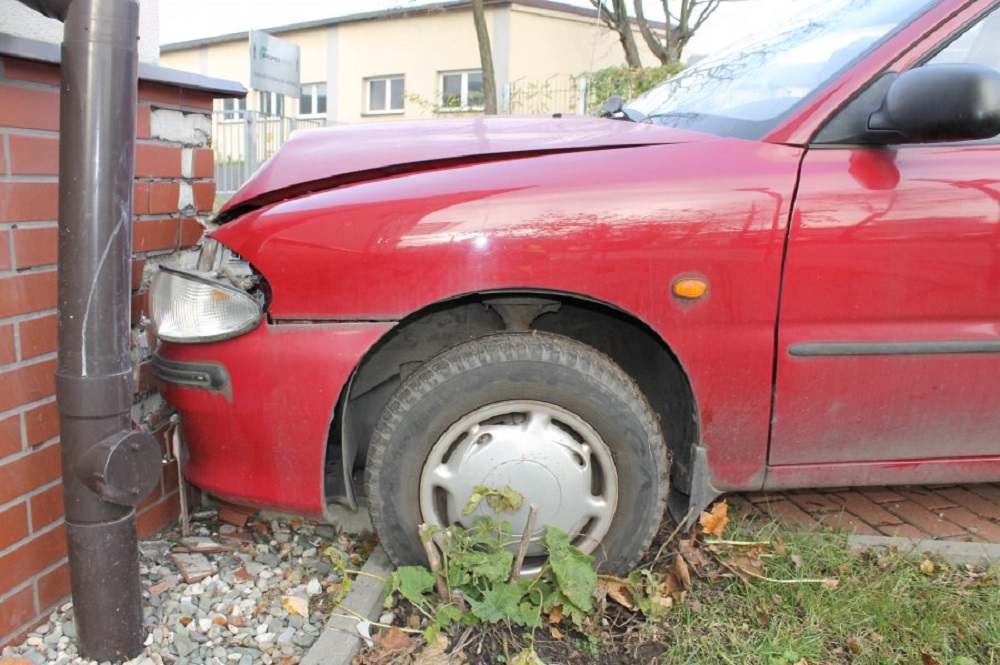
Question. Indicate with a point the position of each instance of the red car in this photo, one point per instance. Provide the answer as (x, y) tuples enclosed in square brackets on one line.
[(779, 269)]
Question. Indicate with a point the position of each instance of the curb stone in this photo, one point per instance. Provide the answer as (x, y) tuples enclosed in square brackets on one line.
[(955, 553), (340, 642)]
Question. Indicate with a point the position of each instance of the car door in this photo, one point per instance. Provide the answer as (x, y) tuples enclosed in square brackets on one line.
[(889, 326)]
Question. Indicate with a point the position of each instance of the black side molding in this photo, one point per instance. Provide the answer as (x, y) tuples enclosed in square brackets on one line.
[(209, 376)]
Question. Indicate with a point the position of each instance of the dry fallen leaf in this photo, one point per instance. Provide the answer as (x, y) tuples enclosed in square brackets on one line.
[(797, 560), (927, 567), (928, 659), (618, 592), (395, 640), (556, 615), (434, 654), (831, 583), (681, 572), (556, 633), (853, 645), (296, 605), (713, 523)]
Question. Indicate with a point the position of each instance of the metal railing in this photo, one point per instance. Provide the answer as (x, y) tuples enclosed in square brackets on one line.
[(243, 140), (554, 95)]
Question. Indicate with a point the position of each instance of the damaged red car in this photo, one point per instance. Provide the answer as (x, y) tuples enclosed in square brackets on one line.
[(779, 269)]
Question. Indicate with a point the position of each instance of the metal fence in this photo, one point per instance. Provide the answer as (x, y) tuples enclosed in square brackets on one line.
[(243, 140), (554, 95)]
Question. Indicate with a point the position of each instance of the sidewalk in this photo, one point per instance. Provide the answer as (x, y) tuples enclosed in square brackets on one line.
[(963, 513)]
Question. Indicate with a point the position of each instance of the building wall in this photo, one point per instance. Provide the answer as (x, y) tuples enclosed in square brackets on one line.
[(173, 194)]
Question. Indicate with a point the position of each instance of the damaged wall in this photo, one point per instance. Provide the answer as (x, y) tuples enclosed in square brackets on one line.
[(173, 196)]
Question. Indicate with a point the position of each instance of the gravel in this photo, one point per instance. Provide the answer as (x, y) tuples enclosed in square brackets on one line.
[(240, 615)]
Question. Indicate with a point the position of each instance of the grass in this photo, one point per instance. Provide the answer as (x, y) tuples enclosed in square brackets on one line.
[(885, 609)]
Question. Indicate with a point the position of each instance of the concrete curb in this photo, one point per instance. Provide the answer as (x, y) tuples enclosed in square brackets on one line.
[(340, 642), (955, 553)]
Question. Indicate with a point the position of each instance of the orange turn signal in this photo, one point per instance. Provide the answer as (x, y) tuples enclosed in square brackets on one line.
[(690, 288)]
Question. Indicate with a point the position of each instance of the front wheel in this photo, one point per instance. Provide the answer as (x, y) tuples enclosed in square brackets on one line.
[(546, 415)]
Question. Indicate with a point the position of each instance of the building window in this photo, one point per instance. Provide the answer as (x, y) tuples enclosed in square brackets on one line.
[(232, 109), (270, 103), (313, 99), (385, 94), (462, 90)]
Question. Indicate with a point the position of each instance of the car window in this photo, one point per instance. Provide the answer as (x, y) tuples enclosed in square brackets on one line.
[(979, 45)]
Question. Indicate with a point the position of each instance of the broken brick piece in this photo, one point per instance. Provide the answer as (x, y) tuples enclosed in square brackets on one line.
[(194, 567)]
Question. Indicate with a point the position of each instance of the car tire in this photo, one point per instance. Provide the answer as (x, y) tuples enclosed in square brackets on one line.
[(552, 417)]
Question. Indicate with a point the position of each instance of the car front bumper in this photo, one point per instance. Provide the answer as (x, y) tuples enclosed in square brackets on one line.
[(256, 409)]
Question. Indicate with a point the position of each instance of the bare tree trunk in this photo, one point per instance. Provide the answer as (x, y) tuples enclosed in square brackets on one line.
[(486, 58), (616, 18)]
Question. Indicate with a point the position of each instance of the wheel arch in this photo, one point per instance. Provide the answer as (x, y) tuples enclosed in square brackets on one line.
[(632, 343)]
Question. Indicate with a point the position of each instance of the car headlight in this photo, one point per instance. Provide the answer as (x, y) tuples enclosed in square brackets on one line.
[(187, 307)]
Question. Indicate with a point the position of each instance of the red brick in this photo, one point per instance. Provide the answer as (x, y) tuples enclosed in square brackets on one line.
[(160, 93), (13, 524), (145, 379), (8, 352), (4, 247), (10, 436), (903, 531), (170, 479), (142, 122), (139, 307), (41, 424), (33, 155), (36, 246), (163, 197), (29, 472), (973, 502), (53, 587), (46, 507), (926, 497), (813, 502), (191, 232), (32, 557), (197, 99), (39, 336), (880, 494), (204, 163), (790, 515), (25, 384), (140, 198), (157, 161), (844, 521), (29, 201), (137, 271), (983, 529), (929, 522), (155, 495), (204, 195), (867, 510), (158, 516), (16, 611), (34, 72), (27, 108), (27, 292), (154, 234), (989, 492)]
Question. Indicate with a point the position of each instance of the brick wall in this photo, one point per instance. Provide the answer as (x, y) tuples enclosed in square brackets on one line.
[(173, 193)]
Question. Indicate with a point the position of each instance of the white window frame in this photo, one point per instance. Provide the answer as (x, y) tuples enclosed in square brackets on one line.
[(311, 90), (277, 103), (235, 114), (464, 101), (389, 110)]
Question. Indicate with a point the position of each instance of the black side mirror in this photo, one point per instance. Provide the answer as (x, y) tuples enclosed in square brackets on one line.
[(611, 107), (947, 102)]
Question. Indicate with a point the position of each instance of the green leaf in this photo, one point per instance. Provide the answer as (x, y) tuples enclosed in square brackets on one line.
[(413, 582), (574, 570), (499, 602), (448, 615), (474, 501)]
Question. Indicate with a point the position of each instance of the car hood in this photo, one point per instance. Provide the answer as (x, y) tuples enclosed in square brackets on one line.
[(317, 159)]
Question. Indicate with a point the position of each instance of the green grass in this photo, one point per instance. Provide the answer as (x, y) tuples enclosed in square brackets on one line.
[(885, 609)]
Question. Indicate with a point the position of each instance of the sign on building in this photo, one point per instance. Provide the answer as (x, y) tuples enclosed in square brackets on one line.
[(274, 64)]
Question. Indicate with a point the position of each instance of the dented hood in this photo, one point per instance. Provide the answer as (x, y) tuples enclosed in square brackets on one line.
[(318, 159)]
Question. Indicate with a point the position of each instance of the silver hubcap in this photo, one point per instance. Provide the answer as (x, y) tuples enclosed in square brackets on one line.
[(548, 454)]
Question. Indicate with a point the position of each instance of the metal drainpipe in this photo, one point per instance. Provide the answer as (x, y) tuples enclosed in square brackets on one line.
[(107, 468)]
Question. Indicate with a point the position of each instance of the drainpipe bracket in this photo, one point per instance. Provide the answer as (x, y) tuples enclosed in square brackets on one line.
[(123, 468), (94, 396)]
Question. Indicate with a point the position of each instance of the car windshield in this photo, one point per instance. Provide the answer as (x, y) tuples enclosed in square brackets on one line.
[(748, 90)]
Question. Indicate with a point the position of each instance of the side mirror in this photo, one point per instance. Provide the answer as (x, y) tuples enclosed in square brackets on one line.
[(947, 102), (609, 108)]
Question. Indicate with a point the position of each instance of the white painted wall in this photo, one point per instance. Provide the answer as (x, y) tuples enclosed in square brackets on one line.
[(16, 19)]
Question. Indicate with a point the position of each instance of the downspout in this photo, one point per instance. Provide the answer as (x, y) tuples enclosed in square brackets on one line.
[(107, 468)]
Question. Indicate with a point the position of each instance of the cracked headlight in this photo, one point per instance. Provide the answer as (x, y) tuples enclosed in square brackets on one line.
[(189, 307)]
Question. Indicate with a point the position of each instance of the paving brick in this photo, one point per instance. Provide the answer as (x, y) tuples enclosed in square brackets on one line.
[(151, 235), (983, 529), (36, 246), (977, 504), (41, 424), (788, 514), (989, 492), (28, 108), (53, 587), (926, 497), (5, 262), (39, 336), (10, 436), (33, 155), (157, 161), (8, 350), (813, 502), (16, 611), (32, 557), (28, 472), (927, 521), (880, 494), (29, 201), (867, 510), (845, 521), (741, 508), (30, 70), (28, 383), (903, 531), (163, 197), (204, 163), (13, 524), (27, 292), (204, 195), (46, 507)]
